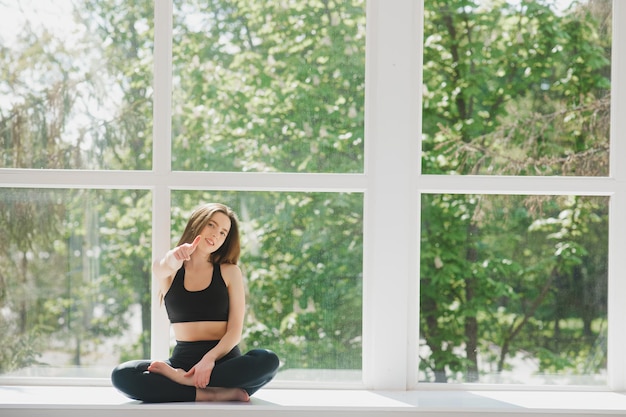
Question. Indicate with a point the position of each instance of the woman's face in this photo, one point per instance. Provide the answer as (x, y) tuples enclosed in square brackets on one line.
[(215, 232)]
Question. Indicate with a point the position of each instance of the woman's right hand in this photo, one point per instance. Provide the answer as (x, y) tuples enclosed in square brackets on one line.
[(174, 258)]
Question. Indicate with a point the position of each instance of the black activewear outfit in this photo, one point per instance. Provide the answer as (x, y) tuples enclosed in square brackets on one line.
[(249, 372), (209, 304)]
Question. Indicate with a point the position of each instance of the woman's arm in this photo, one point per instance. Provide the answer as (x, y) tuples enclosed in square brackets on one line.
[(163, 269)]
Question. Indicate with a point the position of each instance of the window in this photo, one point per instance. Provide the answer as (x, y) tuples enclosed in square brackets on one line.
[(302, 257), (513, 288), (272, 89), (70, 302), (517, 88), (307, 120), (77, 86)]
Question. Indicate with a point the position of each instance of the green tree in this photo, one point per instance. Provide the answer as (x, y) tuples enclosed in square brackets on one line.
[(272, 86), (504, 94), (527, 273), (122, 33), (514, 89), (27, 218), (67, 110)]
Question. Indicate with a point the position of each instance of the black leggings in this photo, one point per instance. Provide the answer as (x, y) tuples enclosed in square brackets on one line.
[(249, 372)]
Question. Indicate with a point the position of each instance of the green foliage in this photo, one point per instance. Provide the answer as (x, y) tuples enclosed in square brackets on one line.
[(515, 88), (20, 351), (512, 88), (519, 266), (72, 266), (272, 86)]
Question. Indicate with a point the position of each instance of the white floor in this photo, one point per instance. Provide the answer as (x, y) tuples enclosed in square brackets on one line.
[(84, 401)]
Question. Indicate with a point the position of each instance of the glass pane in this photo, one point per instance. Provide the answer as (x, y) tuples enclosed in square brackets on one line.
[(75, 90), (517, 87), (302, 260), (268, 86), (74, 280), (514, 289)]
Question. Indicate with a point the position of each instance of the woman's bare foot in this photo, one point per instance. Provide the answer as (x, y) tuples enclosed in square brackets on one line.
[(221, 394), (175, 374), (202, 394)]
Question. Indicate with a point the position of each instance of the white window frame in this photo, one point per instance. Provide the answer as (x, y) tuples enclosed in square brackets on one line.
[(392, 184)]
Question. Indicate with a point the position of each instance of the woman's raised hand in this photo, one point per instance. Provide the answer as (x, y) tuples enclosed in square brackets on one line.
[(175, 258)]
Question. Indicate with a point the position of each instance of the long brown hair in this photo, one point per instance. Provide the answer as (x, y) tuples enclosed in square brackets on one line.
[(230, 250)]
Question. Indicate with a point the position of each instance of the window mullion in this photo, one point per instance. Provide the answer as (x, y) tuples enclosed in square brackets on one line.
[(617, 222), (390, 213), (161, 150)]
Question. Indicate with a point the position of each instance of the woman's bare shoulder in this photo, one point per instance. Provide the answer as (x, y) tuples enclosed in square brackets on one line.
[(230, 272)]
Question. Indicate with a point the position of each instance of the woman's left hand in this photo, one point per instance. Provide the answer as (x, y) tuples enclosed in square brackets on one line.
[(201, 373)]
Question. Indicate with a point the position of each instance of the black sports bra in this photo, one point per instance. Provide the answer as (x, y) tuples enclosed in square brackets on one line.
[(209, 304)]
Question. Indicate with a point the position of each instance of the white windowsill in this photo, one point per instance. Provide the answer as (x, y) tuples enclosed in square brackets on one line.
[(98, 401)]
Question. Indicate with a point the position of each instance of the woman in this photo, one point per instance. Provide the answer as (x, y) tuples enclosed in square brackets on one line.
[(203, 291)]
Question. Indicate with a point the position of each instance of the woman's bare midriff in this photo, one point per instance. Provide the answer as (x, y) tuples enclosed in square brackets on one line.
[(199, 330)]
